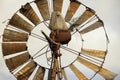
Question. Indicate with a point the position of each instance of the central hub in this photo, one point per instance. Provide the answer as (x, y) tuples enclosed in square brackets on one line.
[(61, 36)]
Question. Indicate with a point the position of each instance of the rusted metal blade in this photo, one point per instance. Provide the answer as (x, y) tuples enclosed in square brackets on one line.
[(84, 17), (57, 5), (64, 74), (108, 75), (43, 8), (14, 62), (10, 35), (11, 48), (74, 5), (95, 53), (28, 11), (93, 26), (26, 71), (20, 23), (78, 73), (39, 74)]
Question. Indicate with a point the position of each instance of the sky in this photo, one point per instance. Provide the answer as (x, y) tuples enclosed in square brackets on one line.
[(107, 10)]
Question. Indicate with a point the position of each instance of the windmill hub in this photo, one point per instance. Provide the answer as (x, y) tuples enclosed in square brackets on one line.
[(61, 36)]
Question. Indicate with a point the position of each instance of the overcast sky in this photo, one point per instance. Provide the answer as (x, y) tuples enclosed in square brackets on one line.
[(107, 10)]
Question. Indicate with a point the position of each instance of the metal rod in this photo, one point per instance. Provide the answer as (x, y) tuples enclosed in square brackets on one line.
[(40, 50)]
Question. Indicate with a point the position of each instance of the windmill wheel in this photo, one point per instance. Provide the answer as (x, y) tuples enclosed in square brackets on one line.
[(27, 52)]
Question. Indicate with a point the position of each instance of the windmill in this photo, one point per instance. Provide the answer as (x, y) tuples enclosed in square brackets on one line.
[(47, 43)]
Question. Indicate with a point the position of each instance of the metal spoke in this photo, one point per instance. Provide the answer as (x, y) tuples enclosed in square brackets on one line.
[(70, 50), (91, 60), (40, 50), (41, 54), (38, 37)]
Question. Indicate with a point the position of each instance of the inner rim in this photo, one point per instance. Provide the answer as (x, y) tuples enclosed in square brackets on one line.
[(38, 47)]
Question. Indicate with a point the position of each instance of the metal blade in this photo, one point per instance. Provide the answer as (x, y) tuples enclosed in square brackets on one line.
[(93, 26), (57, 5), (64, 74), (26, 71), (17, 61), (39, 74), (108, 75), (11, 48), (43, 8), (10, 35), (20, 23), (78, 73), (74, 5), (95, 53), (84, 17), (28, 11)]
